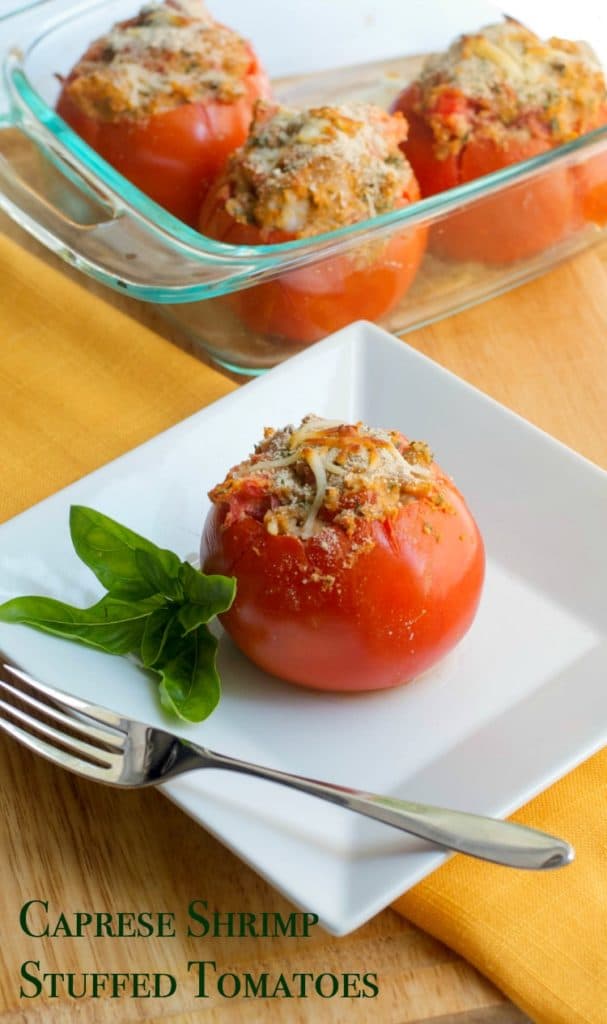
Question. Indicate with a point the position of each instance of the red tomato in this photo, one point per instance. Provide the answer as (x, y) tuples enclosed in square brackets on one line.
[(592, 188), (173, 156), (512, 225), (363, 611), (307, 304)]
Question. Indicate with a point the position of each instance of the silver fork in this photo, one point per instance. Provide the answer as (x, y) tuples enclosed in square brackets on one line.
[(98, 744)]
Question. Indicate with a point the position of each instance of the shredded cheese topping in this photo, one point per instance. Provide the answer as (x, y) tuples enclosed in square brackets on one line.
[(170, 54), (505, 79), (328, 472), (309, 171)]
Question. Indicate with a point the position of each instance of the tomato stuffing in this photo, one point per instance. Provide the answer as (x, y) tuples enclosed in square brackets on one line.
[(358, 563), (494, 99), (305, 305), (165, 98), (302, 173)]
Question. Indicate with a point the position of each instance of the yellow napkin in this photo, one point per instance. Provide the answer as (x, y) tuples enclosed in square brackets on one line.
[(81, 383), (541, 938)]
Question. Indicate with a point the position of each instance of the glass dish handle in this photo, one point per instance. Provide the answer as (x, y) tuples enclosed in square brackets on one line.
[(52, 195)]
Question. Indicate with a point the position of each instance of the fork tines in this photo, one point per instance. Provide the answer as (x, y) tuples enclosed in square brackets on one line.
[(60, 727)]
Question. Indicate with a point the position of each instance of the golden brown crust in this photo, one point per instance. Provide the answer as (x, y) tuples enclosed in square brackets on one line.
[(299, 479), (309, 171), (170, 54), (505, 81)]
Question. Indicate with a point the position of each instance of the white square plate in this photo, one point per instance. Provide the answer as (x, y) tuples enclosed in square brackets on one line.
[(517, 704)]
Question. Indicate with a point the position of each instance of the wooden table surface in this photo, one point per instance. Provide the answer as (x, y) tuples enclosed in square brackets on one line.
[(84, 847)]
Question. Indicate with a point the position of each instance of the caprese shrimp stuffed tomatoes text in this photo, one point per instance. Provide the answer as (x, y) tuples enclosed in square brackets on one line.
[(358, 563)]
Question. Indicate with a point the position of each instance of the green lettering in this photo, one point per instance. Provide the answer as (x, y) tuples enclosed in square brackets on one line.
[(119, 983), (256, 989), (281, 988), (99, 984), (221, 988), (201, 965), (145, 924), (247, 925), (319, 984), (53, 978), (166, 925), (83, 919), (195, 916), (25, 974), (219, 920), (24, 922), (309, 921), (62, 928), (351, 983), (303, 983), (125, 925), (286, 926), (72, 989), (158, 994), (370, 980), (104, 926), (140, 986)]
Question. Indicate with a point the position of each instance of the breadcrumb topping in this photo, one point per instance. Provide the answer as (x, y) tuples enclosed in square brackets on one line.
[(505, 79), (299, 479), (171, 53), (310, 171)]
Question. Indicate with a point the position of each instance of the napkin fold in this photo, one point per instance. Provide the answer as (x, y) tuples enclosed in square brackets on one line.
[(81, 383)]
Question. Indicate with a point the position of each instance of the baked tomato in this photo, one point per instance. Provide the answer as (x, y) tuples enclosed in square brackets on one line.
[(591, 175), (494, 99), (358, 563), (165, 98), (307, 304), (302, 173)]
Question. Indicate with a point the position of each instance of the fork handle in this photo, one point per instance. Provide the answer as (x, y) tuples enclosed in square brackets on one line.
[(502, 842)]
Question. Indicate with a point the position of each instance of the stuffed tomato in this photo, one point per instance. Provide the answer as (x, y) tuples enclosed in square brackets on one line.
[(165, 98), (302, 173), (493, 99), (358, 563)]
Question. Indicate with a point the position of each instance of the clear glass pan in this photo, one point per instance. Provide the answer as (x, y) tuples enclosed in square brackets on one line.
[(64, 194)]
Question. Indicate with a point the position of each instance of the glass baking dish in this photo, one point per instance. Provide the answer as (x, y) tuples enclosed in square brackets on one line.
[(65, 195)]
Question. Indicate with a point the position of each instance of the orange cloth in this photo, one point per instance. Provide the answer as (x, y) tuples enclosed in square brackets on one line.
[(540, 937), (82, 383)]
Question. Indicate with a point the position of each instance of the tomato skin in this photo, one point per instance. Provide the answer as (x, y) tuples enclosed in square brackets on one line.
[(389, 614), (305, 305), (173, 156), (519, 223), (592, 187), (516, 224), (433, 175)]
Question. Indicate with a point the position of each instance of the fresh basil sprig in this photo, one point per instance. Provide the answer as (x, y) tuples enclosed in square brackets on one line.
[(156, 608)]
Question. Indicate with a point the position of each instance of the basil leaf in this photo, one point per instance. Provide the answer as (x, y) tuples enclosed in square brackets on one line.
[(155, 635), (156, 607), (110, 551), (161, 572), (111, 625), (189, 684), (205, 596)]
